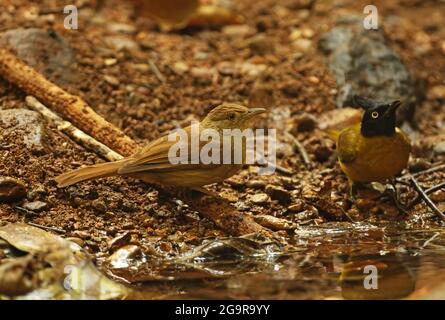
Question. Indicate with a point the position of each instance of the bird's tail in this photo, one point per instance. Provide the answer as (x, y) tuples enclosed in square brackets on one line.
[(92, 172)]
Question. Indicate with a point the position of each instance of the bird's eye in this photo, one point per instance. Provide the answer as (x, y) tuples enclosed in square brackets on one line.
[(231, 116), (375, 114)]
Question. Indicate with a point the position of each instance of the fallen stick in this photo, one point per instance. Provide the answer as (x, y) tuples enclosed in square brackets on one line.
[(77, 111), (427, 199), (68, 106), (301, 150), (77, 135)]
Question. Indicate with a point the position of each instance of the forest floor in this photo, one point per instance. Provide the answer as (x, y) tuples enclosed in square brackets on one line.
[(147, 82)]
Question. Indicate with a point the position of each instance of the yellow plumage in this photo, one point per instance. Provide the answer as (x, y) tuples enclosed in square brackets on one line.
[(369, 159)]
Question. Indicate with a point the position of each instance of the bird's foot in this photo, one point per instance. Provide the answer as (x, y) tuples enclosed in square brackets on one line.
[(206, 192)]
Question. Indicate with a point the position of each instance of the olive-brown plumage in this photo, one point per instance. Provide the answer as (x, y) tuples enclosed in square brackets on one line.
[(152, 164)]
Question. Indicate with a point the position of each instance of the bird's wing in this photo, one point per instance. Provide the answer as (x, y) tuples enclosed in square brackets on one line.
[(348, 144), (155, 157)]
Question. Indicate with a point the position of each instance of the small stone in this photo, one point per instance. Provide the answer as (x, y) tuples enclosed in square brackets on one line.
[(274, 223), (119, 241), (323, 152), (307, 33), (81, 234), (166, 246), (259, 198), (237, 30), (11, 190), (302, 45), (121, 257), (436, 92), (121, 43), (314, 80), (180, 67), (255, 184), (252, 70), (235, 182), (278, 193), (291, 89), (36, 191), (260, 45), (112, 80), (297, 207), (202, 76), (305, 123), (35, 206), (99, 205), (438, 196), (439, 148), (110, 61), (121, 27), (296, 34)]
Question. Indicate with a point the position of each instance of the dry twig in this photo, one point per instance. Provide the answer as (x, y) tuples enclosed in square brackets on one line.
[(77, 135), (301, 150), (427, 199)]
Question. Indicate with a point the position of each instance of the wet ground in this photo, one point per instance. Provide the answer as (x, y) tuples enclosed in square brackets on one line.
[(147, 82)]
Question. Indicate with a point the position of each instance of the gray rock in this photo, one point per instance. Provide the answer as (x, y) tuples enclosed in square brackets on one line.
[(23, 123), (35, 206), (363, 64), (44, 50)]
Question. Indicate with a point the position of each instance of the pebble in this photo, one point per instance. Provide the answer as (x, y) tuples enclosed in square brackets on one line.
[(436, 92), (438, 196), (35, 206), (110, 61), (302, 45), (237, 30), (112, 80), (274, 223), (256, 184), (120, 258), (99, 205), (259, 198), (439, 148), (260, 45), (305, 123), (121, 42), (11, 189), (121, 27), (291, 89), (180, 67), (119, 241), (278, 193), (297, 207), (81, 234), (252, 70)]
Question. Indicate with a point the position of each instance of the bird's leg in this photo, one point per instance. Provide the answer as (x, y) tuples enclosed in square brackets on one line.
[(394, 194), (206, 192), (353, 188)]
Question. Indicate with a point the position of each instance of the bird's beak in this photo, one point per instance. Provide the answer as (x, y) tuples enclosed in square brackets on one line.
[(255, 111), (394, 105)]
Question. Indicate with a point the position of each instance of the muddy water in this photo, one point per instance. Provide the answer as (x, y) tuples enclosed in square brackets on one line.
[(332, 261)]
